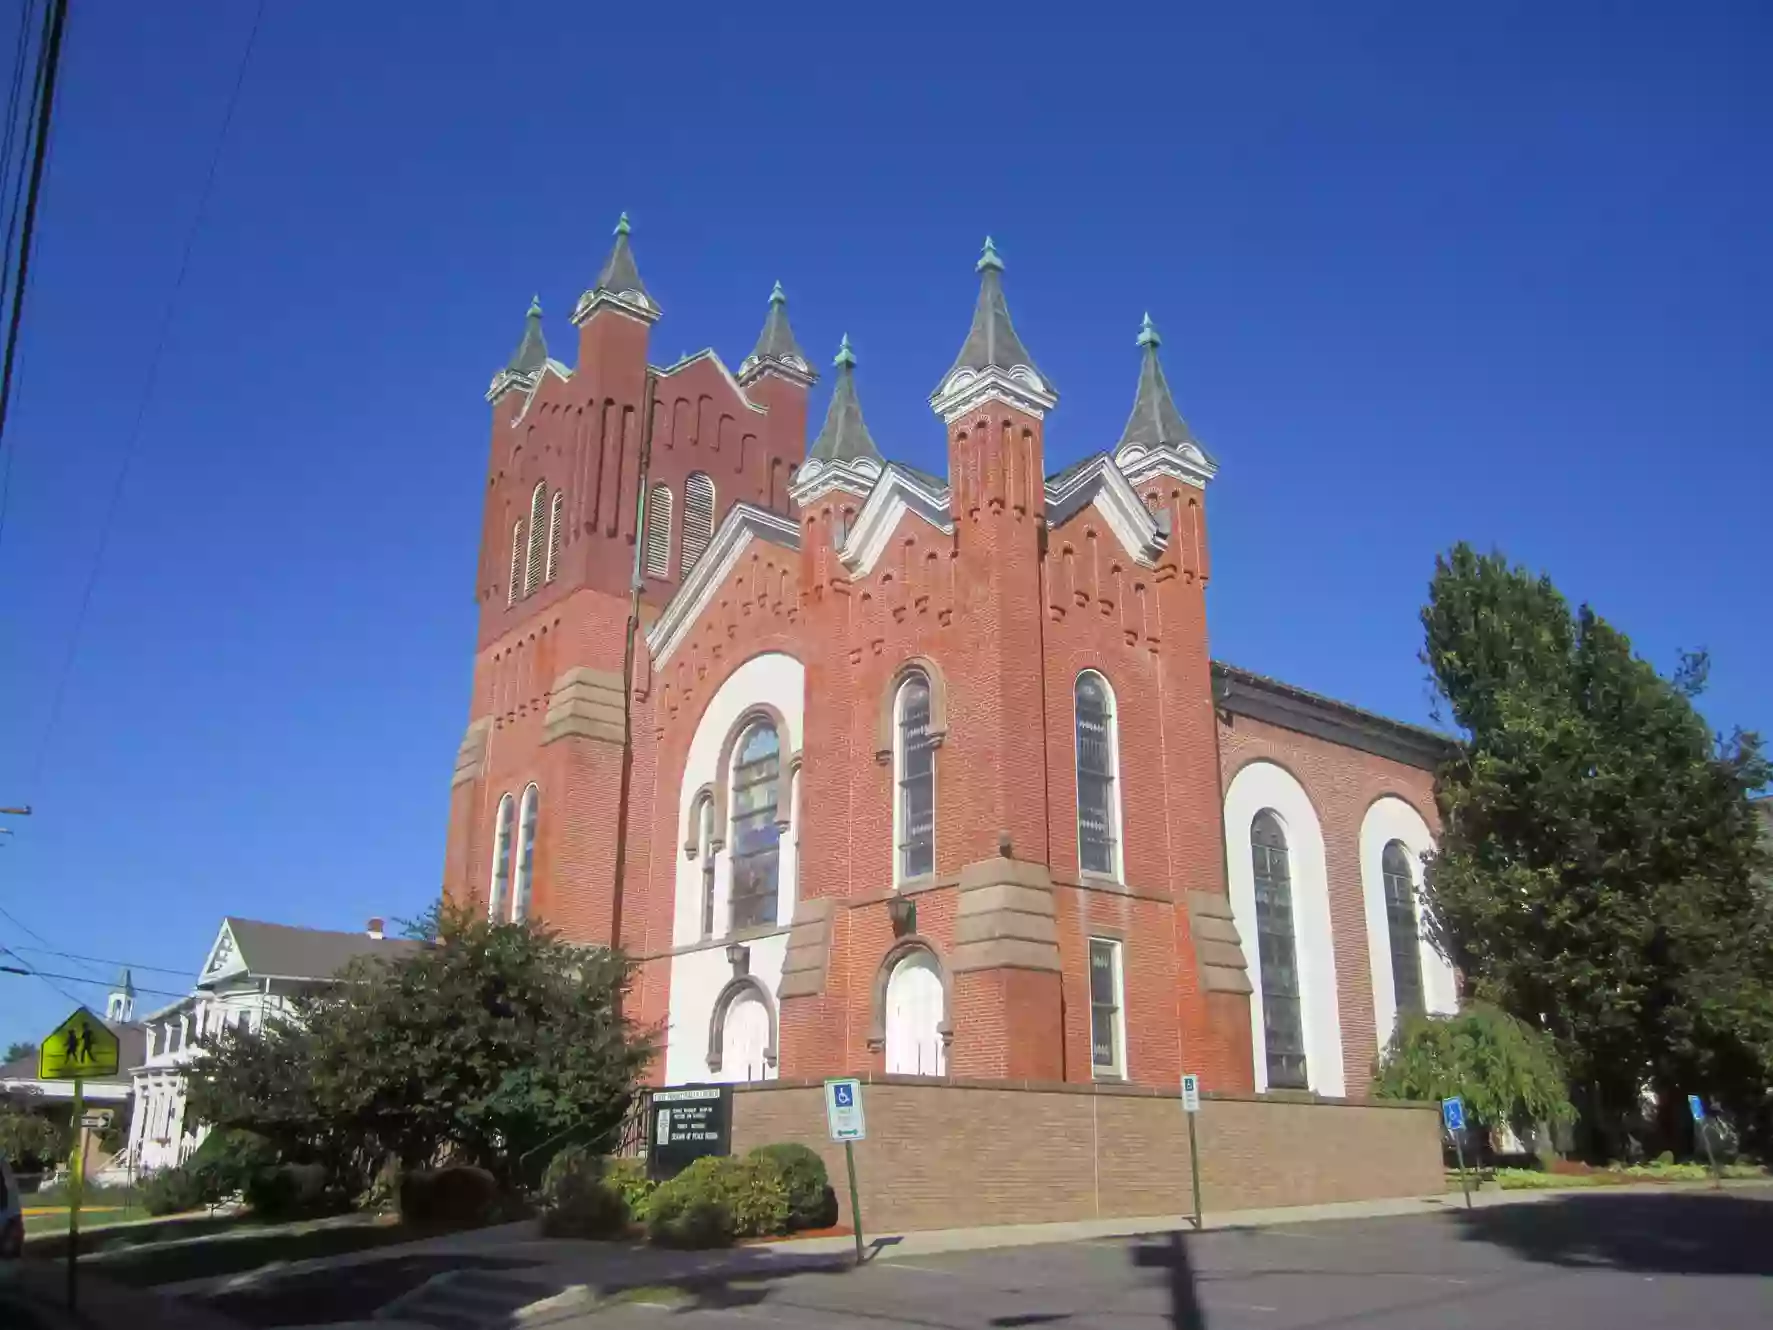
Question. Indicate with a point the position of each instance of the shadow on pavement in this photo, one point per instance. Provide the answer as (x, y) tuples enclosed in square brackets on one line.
[(354, 1292), (1696, 1233), (1170, 1253)]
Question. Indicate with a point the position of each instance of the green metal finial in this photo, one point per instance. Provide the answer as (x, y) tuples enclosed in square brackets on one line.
[(846, 358), (1148, 334), (622, 225), (778, 296), (535, 307), (989, 258)]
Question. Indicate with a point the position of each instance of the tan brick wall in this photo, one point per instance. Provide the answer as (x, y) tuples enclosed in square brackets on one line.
[(953, 1155)]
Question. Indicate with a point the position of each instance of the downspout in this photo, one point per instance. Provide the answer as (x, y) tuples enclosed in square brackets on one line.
[(630, 644)]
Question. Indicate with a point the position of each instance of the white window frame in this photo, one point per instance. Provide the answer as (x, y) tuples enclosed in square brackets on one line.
[(516, 562), (523, 863), (899, 875), (504, 829), (1118, 827), (1117, 950)]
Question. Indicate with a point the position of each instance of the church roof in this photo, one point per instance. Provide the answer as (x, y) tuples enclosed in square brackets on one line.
[(845, 434), (992, 342), (776, 341), (1155, 421), (619, 273), (532, 352)]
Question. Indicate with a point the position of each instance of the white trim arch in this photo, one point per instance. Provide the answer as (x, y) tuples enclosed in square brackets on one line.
[(1116, 814), (1391, 818), (1266, 785)]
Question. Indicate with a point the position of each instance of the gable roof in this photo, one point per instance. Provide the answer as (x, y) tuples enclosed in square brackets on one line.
[(283, 951)]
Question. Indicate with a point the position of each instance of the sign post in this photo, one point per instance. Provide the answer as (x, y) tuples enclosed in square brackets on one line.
[(1191, 1108), (79, 1047), (843, 1115), (1453, 1115), (1697, 1106)]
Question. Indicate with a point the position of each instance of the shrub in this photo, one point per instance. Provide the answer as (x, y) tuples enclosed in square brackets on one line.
[(811, 1202), (226, 1162), (718, 1198), (1507, 1072), (457, 1194), (629, 1179), (290, 1191), (578, 1199), (172, 1191)]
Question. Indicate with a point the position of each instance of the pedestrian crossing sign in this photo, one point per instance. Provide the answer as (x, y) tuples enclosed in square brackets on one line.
[(79, 1048)]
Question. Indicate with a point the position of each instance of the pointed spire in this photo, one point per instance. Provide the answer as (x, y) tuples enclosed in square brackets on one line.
[(992, 343), (618, 282), (845, 437), (1155, 422), (776, 346), (532, 352)]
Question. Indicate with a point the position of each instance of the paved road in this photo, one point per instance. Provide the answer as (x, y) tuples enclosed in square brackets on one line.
[(1681, 1261)]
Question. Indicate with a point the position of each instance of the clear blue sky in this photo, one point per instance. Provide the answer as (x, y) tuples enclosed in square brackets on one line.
[(1424, 273)]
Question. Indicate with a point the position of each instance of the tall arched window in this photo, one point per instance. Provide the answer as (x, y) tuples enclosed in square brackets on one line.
[(516, 562), (1400, 919), (656, 556), (1098, 813), (526, 854), (914, 1014), (756, 840), (556, 517), (698, 517), (1282, 1028), (705, 848), (914, 766), (498, 898), (538, 516)]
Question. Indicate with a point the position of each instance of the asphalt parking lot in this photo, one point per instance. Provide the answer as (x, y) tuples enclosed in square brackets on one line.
[(1627, 1262)]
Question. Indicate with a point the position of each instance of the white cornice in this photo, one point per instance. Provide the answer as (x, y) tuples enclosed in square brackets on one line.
[(534, 385), (635, 304), (1100, 482), (817, 477), (1186, 463), (1020, 386), (792, 368), (743, 523), (896, 493), (709, 353)]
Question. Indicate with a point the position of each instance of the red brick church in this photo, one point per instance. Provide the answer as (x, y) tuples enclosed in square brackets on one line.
[(879, 770)]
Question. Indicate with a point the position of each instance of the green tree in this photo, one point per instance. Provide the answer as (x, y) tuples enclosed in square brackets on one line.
[(1598, 849), (32, 1142), (491, 1042), (23, 1048), (1507, 1073)]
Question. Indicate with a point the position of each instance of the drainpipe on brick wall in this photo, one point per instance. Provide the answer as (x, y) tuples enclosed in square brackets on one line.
[(630, 644)]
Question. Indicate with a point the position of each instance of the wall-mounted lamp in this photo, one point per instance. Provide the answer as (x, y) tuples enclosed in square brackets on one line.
[(739, 957), (903, 911)]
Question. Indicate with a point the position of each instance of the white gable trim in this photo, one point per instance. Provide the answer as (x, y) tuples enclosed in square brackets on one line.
[(1186, 463), (817, 476), (224, 957), (709, 353), (896, 494), (534, 385), (634, 304), (743, 523), (1101, 483), (966, 389)]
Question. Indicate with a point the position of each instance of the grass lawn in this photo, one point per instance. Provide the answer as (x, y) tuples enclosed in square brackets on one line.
[(171, 1250), (98, 1217)]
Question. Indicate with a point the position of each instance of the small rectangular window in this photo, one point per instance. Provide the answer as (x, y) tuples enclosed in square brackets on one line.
[(1107, 1019)]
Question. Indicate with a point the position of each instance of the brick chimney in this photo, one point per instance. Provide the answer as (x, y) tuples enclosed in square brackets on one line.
[(375, 929)]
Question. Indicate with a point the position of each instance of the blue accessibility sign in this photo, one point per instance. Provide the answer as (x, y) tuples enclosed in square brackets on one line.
[(844, 1095), (1697, 1105), (1453, 1113)]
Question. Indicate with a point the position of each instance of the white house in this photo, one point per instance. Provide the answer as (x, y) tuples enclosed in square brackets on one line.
[(253, 971)]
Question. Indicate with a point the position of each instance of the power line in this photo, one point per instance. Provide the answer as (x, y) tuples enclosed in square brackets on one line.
[(22, 926), (45, 976), (103, 960), (134, 437), (13, 286)]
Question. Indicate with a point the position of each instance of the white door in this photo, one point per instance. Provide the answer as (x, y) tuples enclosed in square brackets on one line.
[(913, 1017), (743, 1039)]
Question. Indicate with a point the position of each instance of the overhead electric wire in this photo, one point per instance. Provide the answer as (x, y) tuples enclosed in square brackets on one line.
[(11, 284), (103, 960), (21, 925), (33, 970), (47, 977), (134, 437)]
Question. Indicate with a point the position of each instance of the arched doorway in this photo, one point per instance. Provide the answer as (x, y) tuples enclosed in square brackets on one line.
[(914, 1017)]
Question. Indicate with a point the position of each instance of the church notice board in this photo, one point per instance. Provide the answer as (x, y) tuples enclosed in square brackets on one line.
[(689, 1122)]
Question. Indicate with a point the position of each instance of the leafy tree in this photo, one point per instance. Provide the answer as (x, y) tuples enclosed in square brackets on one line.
[(31, 1141), (1507, 1072), (492, 1042), (1595, 871), (22, 1048)]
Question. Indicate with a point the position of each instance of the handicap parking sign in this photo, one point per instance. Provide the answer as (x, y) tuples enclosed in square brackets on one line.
[(843, 1110), (1697, 1106), (1453, 1113)]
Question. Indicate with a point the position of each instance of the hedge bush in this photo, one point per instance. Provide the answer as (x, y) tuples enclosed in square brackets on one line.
[(579, 1199), (811, 1201), (172, 1191), (457, 1194), (227, 1161), (291, 1191), (629, 1178), (719, 1198)]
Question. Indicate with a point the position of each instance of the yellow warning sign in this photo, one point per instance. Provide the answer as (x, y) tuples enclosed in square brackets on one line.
[(80, 1047)]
